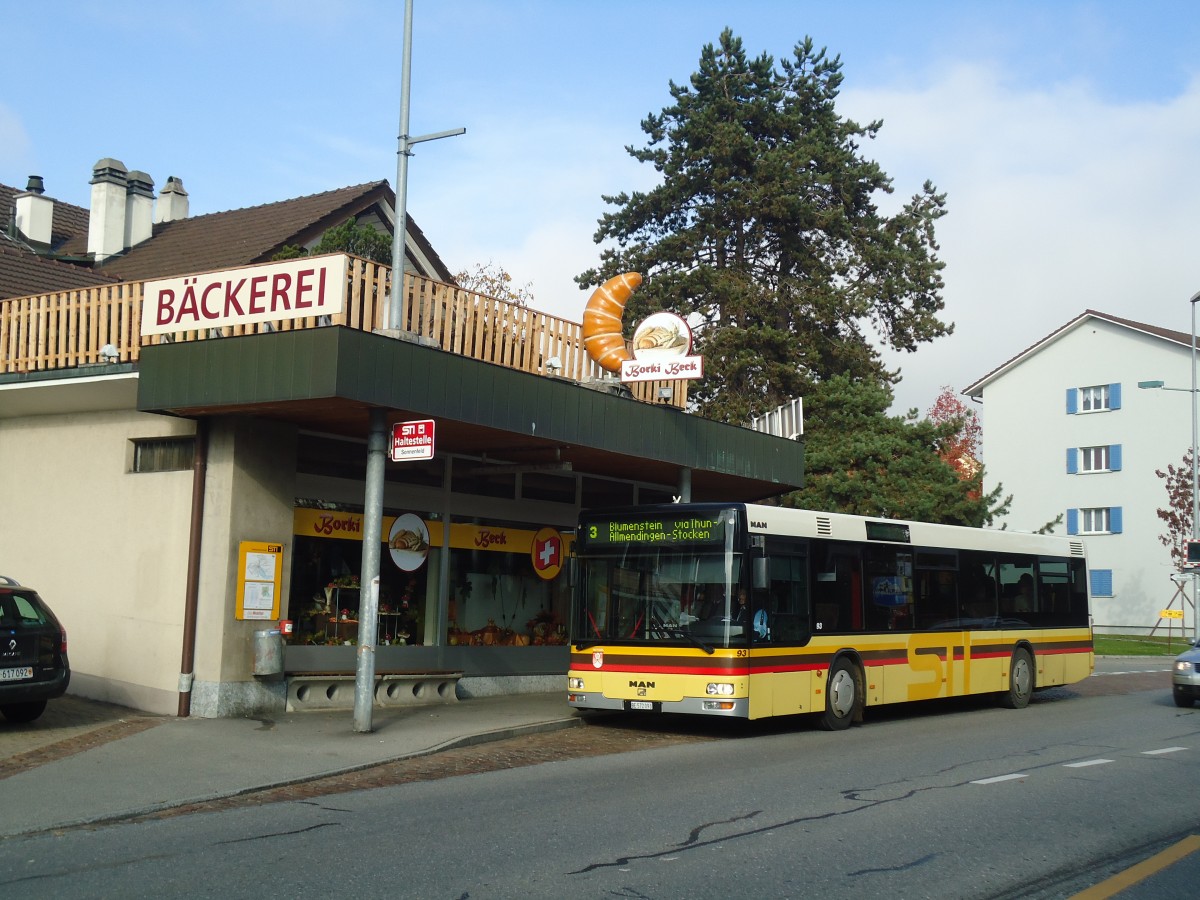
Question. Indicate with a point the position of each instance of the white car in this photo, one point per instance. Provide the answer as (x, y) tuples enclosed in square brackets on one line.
[(1185, 679)]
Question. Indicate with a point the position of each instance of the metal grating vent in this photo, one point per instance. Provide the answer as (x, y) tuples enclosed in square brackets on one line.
[(824, 525), (1077, 548)]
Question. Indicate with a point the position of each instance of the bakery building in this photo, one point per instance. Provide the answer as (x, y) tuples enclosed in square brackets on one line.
[(185, 426)]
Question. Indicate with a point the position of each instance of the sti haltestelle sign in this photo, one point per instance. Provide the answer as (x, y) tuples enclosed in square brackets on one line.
[(296, 289)]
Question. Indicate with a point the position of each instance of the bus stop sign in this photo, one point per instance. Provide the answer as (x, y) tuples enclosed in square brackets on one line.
[(412, 440)]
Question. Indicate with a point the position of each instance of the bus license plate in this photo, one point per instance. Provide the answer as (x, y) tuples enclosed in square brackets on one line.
[(643, 705), (16, 674)]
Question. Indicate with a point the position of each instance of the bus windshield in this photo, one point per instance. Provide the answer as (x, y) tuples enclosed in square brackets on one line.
[(658, 594)]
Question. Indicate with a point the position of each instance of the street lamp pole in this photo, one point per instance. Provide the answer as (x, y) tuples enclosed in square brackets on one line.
[(1195, 475)]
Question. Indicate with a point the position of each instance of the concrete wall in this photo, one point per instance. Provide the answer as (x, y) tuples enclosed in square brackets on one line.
[(106, 547), (1027, 432), (249, 496)]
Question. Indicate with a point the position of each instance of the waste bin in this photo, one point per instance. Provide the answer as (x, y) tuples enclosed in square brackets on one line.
[(268, 652)]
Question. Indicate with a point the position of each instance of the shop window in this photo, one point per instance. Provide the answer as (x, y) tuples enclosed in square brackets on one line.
[(543, 486), (601, 493), (468, 478), (170, 454)]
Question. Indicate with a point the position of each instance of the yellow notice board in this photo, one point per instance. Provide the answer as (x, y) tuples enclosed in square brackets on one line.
[(1170, 613), (260, 576)]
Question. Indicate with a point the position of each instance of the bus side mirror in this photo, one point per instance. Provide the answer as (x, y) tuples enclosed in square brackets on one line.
[(759, 571)]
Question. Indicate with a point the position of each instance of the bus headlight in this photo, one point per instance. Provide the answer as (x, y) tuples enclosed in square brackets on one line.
[(575, 684), (719, 689)]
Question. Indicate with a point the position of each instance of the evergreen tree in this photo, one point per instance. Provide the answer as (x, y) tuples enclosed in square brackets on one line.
[(858, 459), (764, 233)]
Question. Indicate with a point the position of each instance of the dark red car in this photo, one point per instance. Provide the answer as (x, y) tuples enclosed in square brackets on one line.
[(33, 653)]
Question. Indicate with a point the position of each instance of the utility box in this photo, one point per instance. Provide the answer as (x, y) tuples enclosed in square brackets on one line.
[(268, 652)]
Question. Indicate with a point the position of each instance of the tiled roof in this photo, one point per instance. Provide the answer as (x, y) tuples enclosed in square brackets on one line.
[(69, 221), (226, 240), (201, 243), (1177, 337), (24, 273)]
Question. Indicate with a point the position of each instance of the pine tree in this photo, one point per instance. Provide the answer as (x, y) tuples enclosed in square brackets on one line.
[(764, 232)]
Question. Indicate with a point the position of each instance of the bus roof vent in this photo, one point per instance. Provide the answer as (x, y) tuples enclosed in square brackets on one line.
[(1077, 548), (824, 525)]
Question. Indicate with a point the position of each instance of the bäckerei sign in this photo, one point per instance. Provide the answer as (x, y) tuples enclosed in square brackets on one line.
[(296, 289)]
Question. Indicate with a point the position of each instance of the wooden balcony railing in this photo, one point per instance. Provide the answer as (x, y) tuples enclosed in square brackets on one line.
[(68, 329)]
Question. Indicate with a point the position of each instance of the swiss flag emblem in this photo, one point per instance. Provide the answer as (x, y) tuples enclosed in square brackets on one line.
[(546, 553)]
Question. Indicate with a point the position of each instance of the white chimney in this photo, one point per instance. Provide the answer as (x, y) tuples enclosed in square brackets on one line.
[(139, 208), (106, 222), (35, 212), (172, 202)]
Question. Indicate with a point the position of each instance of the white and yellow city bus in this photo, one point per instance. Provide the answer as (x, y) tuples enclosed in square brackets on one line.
[(841, 612)]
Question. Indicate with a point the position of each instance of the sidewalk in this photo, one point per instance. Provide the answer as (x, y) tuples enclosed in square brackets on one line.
[(180, 761)]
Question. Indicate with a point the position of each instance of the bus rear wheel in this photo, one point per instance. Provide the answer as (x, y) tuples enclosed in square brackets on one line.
[(843, 698), (1020, 680)]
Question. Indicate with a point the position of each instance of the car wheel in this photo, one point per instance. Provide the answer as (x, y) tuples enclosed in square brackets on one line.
[(842, 697), (1020, 680), (1184, 701), (23, 712)]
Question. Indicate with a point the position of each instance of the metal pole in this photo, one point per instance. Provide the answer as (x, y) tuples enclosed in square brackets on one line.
[(1195, 475), (368, 604), (396, 312)]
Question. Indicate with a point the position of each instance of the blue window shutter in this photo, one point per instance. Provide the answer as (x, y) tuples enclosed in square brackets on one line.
[(1102, 582), (1072, 460), (1114, 396), (1114, 519), (1114, 457), (1072, 521), (1072, 401)]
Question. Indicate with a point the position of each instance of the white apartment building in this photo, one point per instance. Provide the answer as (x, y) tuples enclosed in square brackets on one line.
[(1068, 432)]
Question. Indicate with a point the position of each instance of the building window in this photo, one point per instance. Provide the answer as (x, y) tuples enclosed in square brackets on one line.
[(1094, 459), (170, 454), (1095, 398), (1094, 520), (1101, 582)]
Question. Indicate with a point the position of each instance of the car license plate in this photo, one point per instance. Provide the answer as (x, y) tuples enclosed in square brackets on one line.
[(16, 674), (641, 704)]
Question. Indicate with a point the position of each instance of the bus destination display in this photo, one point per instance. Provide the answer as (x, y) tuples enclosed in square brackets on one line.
[(649, 530)]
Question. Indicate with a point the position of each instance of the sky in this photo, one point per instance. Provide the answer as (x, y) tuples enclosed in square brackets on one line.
[(1066, 135)]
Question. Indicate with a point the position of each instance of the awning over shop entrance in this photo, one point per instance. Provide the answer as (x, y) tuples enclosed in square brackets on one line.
[(328, 379)]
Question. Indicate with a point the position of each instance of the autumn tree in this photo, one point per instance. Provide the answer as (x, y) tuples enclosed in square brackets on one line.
[(492, 280), (961, 450), (764, 232), (858, 459), (1177, 514)]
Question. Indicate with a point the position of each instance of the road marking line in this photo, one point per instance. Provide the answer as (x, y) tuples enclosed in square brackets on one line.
[(1141, 871), (999, 778), (1086, 763), (1163, 750)]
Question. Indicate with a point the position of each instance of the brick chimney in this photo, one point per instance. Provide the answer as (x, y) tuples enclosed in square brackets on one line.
[(34, 212), (106, 223), (139, 208), (172, 202)]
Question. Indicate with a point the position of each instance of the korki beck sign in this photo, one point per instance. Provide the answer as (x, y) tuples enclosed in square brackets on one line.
[(662, 346), (296, 289)]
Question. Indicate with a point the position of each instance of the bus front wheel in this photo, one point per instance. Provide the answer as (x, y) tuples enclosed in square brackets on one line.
[(1020, 680), (843, 698)]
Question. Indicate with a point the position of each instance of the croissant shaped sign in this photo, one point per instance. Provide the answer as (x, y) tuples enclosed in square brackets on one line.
[(662, 343)]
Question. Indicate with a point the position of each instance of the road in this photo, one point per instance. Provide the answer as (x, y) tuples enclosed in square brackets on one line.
[(956, 800)]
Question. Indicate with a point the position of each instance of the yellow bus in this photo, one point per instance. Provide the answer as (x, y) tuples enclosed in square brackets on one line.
[(751, 611)]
